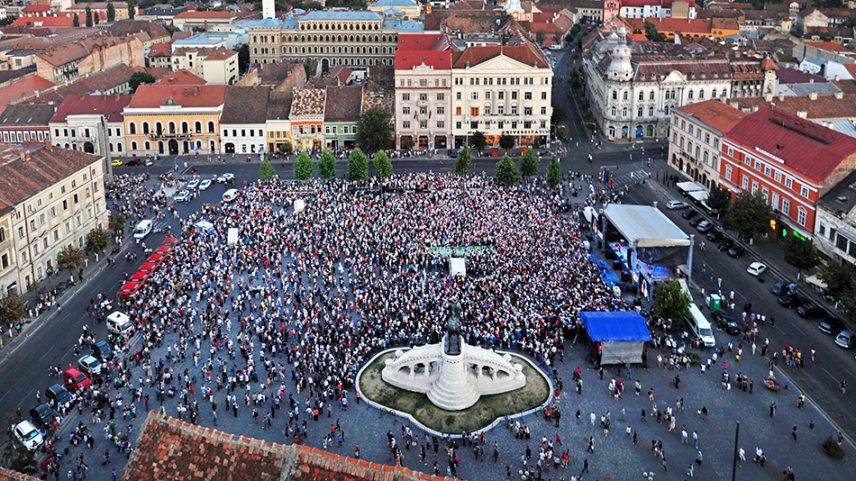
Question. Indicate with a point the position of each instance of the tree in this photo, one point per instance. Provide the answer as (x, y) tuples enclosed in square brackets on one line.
[(554, 172), (529, 163), (407, 143), (287, 147), (140, 78), (506, 141), (75, 20), (111, 12), (117, 222), (132, 9), (653, 34), (374, 130), (11, 309), (266, 170), (718, 199), (97, 240), (70, 258), (358, 166), (464, 162), (95, 18), (749, 215), (839, 277), (800, 253), (303, 167), (327, 165), (88, 17), (382, 164), (478, 140), (243, 58), (506, 171), (671, 300)]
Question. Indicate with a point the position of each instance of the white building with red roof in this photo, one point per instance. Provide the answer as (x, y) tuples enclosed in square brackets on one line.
[(91, 123), (791, 162), (423, 91), (187, 21), (501, 90), (658, 8)]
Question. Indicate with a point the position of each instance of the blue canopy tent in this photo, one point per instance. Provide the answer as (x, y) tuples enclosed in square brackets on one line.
[(620, 334)]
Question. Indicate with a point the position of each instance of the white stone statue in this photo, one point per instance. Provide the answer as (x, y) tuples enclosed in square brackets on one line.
[(453, 374)]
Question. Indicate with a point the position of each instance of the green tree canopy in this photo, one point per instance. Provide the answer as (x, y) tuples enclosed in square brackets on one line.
[(88, 17), (11, 309), (671, 301), (75, 21), (718, 198), (554, 172), (464, 162), (749, 215), (327, 165), (303, 167), (97, 240), (358, 166), (506, 141), (407, 143), (653, 34), (70, 258), (266, 170), (139, 78), (839, 277), (800, 253), (111, 12), (529, 163), (117, 222), (374, 130), (478, 140), (382, 164), (506, 171), (132, 9)]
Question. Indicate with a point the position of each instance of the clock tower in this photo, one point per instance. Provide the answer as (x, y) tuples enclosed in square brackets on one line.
[(611, 9)]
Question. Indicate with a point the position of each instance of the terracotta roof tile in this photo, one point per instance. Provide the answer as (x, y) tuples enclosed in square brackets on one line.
[(160, 50), (805, 147), (22, 88), (169, 448), (68, 52), (343, 103), (714, 114), (153, 96), (27, 169), (27, 114), (110, 106), (181, 77), (525, 54), (245, 105), (204, 15), (308, 102)]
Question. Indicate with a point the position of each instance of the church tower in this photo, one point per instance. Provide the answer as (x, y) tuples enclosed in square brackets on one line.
[(611, 9), (268, 9)]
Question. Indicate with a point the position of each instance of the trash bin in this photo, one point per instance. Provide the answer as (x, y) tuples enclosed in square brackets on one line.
[(715, 302)]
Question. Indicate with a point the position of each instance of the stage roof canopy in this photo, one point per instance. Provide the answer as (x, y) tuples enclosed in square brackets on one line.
[(645, 226), (617, 326)]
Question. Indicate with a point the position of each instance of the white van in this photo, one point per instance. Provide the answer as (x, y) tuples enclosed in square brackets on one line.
[(700, 326), (230, 195), (119, 323), (143, 229)]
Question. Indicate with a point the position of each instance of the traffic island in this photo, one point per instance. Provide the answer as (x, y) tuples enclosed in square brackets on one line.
[(483, 415)]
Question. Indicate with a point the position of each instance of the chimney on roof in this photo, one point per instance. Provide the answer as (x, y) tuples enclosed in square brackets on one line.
[(812, 95), (803, 114), (839, 95), (768, 97), (25, 156), (836, 78), (781, 96)]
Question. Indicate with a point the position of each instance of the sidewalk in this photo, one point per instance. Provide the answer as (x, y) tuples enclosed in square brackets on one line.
[(10, 340)]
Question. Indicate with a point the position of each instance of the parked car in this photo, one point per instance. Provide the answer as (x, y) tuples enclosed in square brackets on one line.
[(44, 416), (149, 162), (714, 235), (226, 177), (29, 437), (704, 226), (726, 244), (696, 221), (116, 162), (182, 196), (74, 379), (230, 195), (133, 162), (756, 268), (192, 185), (810, 310), (58, 395), (782, 287), (830, 325), (689, 214), (845, 339), (727, 323), (676, 205), (205, 184), (736, 251), (102, 350), (791, 300), (90, 365)]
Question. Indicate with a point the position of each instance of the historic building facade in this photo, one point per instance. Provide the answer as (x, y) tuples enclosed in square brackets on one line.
[(335, 37)]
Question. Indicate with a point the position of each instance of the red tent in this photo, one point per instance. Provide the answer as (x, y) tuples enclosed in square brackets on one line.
[(148, 267), (129, 289)]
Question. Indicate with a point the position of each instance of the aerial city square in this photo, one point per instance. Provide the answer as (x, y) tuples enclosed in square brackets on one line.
[(428, 240)]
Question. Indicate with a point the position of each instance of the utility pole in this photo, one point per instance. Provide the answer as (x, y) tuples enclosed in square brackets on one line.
[(734, 460)]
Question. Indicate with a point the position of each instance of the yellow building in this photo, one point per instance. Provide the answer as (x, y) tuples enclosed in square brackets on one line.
[(174, 119)]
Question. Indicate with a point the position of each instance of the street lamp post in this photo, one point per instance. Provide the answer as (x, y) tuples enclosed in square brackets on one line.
[(736, 448)]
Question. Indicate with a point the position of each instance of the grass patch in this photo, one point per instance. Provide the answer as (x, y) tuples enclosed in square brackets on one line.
[(485, 411)]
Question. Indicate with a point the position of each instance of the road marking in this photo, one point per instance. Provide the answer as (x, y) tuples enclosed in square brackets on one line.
[(46, 353), (831, 376)]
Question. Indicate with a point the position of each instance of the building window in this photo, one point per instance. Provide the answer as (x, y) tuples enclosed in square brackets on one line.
[(786, 206), (789, 183), (801, 216), (804, 191), (745, 184), (728, 172)]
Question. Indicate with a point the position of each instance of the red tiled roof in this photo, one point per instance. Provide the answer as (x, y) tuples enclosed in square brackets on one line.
[(23, 87), (65, 53), (37, 8), (673, 25), (204, 15), (181, 77), (308, 102), (173, 449), (476, 55), (27, 169), (110, 106), (431, 49), (642, 3), (160, 50), (153, 96), (830, 46), (805, 147), (343, 103), (822, 107), (714, 114)]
